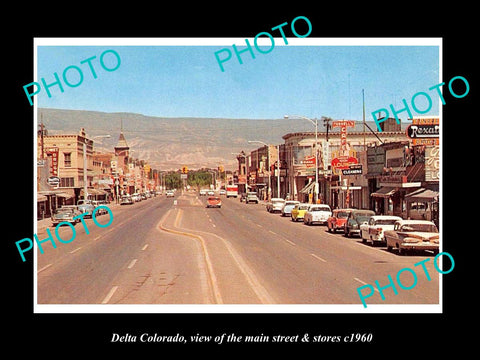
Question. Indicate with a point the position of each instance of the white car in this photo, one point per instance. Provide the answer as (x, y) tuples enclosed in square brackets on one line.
[(276, 204), (374, 230), (170, 193), (317, 214), (288, 207), (413, 235)]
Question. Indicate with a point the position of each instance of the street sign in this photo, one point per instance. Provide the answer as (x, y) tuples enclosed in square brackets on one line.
[(308, 161), (53, 180), (353, 170), (344, 162)]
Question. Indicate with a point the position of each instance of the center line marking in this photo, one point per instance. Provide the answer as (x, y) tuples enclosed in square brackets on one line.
[(364, 283), (109, 295), (132, 263), (146, 245), (318, 257), (73, 251), (44, 268)]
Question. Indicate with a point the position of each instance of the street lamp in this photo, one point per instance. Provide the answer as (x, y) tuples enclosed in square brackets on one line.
[(316, 149)]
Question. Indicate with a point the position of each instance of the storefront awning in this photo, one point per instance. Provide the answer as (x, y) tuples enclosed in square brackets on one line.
[(307, 189), (422, 195), (384, 192), (64, 195)]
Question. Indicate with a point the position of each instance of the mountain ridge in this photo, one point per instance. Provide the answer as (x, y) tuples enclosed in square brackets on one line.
[(168, 143)]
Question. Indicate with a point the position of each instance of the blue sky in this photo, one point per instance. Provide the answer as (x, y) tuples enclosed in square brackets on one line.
[(186, 81)]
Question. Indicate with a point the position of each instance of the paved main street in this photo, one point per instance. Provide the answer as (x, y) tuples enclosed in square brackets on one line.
[(156, 252)]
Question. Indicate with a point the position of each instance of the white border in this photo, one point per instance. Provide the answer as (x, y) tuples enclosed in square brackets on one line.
[(244, 308)]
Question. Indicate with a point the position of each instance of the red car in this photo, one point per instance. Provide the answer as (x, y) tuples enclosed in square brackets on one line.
[(337, 220), (214, 201)]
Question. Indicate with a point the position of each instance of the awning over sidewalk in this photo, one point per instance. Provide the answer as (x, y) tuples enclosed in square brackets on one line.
[(422, 195), (307, 189), (384, 192)]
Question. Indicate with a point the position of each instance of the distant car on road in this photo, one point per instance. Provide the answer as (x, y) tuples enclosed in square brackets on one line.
[(251, 197), (288, 207), (337, 220), (211, 193), (126, 200), (222, 192), (170, 193), (355, 219), (376, 227), (85, 206), (214, 201), (317, 214), (275, 205), (65, 215), (413, 235), (299, 211), (203, 192)]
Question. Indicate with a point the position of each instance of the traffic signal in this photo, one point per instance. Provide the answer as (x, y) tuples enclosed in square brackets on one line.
[(184, 170)]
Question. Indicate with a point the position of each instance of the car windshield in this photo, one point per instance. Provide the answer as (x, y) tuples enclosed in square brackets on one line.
[(420, 227), (62, 214), (322, 208), (385, 221), (362, 218), (303, 207), (342, 215)]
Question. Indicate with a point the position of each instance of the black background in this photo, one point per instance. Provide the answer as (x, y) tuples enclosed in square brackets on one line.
[(63, 335)]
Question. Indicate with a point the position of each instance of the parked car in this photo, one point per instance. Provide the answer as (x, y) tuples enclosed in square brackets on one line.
[(86, 206), (214, 201), (298, 212), (211, 193), (275, 205), (317, 214), (413, 235), (64, 215), (126, 200), (203, 192), (337, 220), (355, 219), (100, 211), (375, 228), (170, 193), (251, 197), (222, 192), (288, 207)]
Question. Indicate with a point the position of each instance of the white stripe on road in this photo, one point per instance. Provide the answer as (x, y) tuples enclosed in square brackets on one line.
[(364, 283), (146, 245), (74, 251), (44, 268), (318, 257), (109, 295), (132, 263)]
